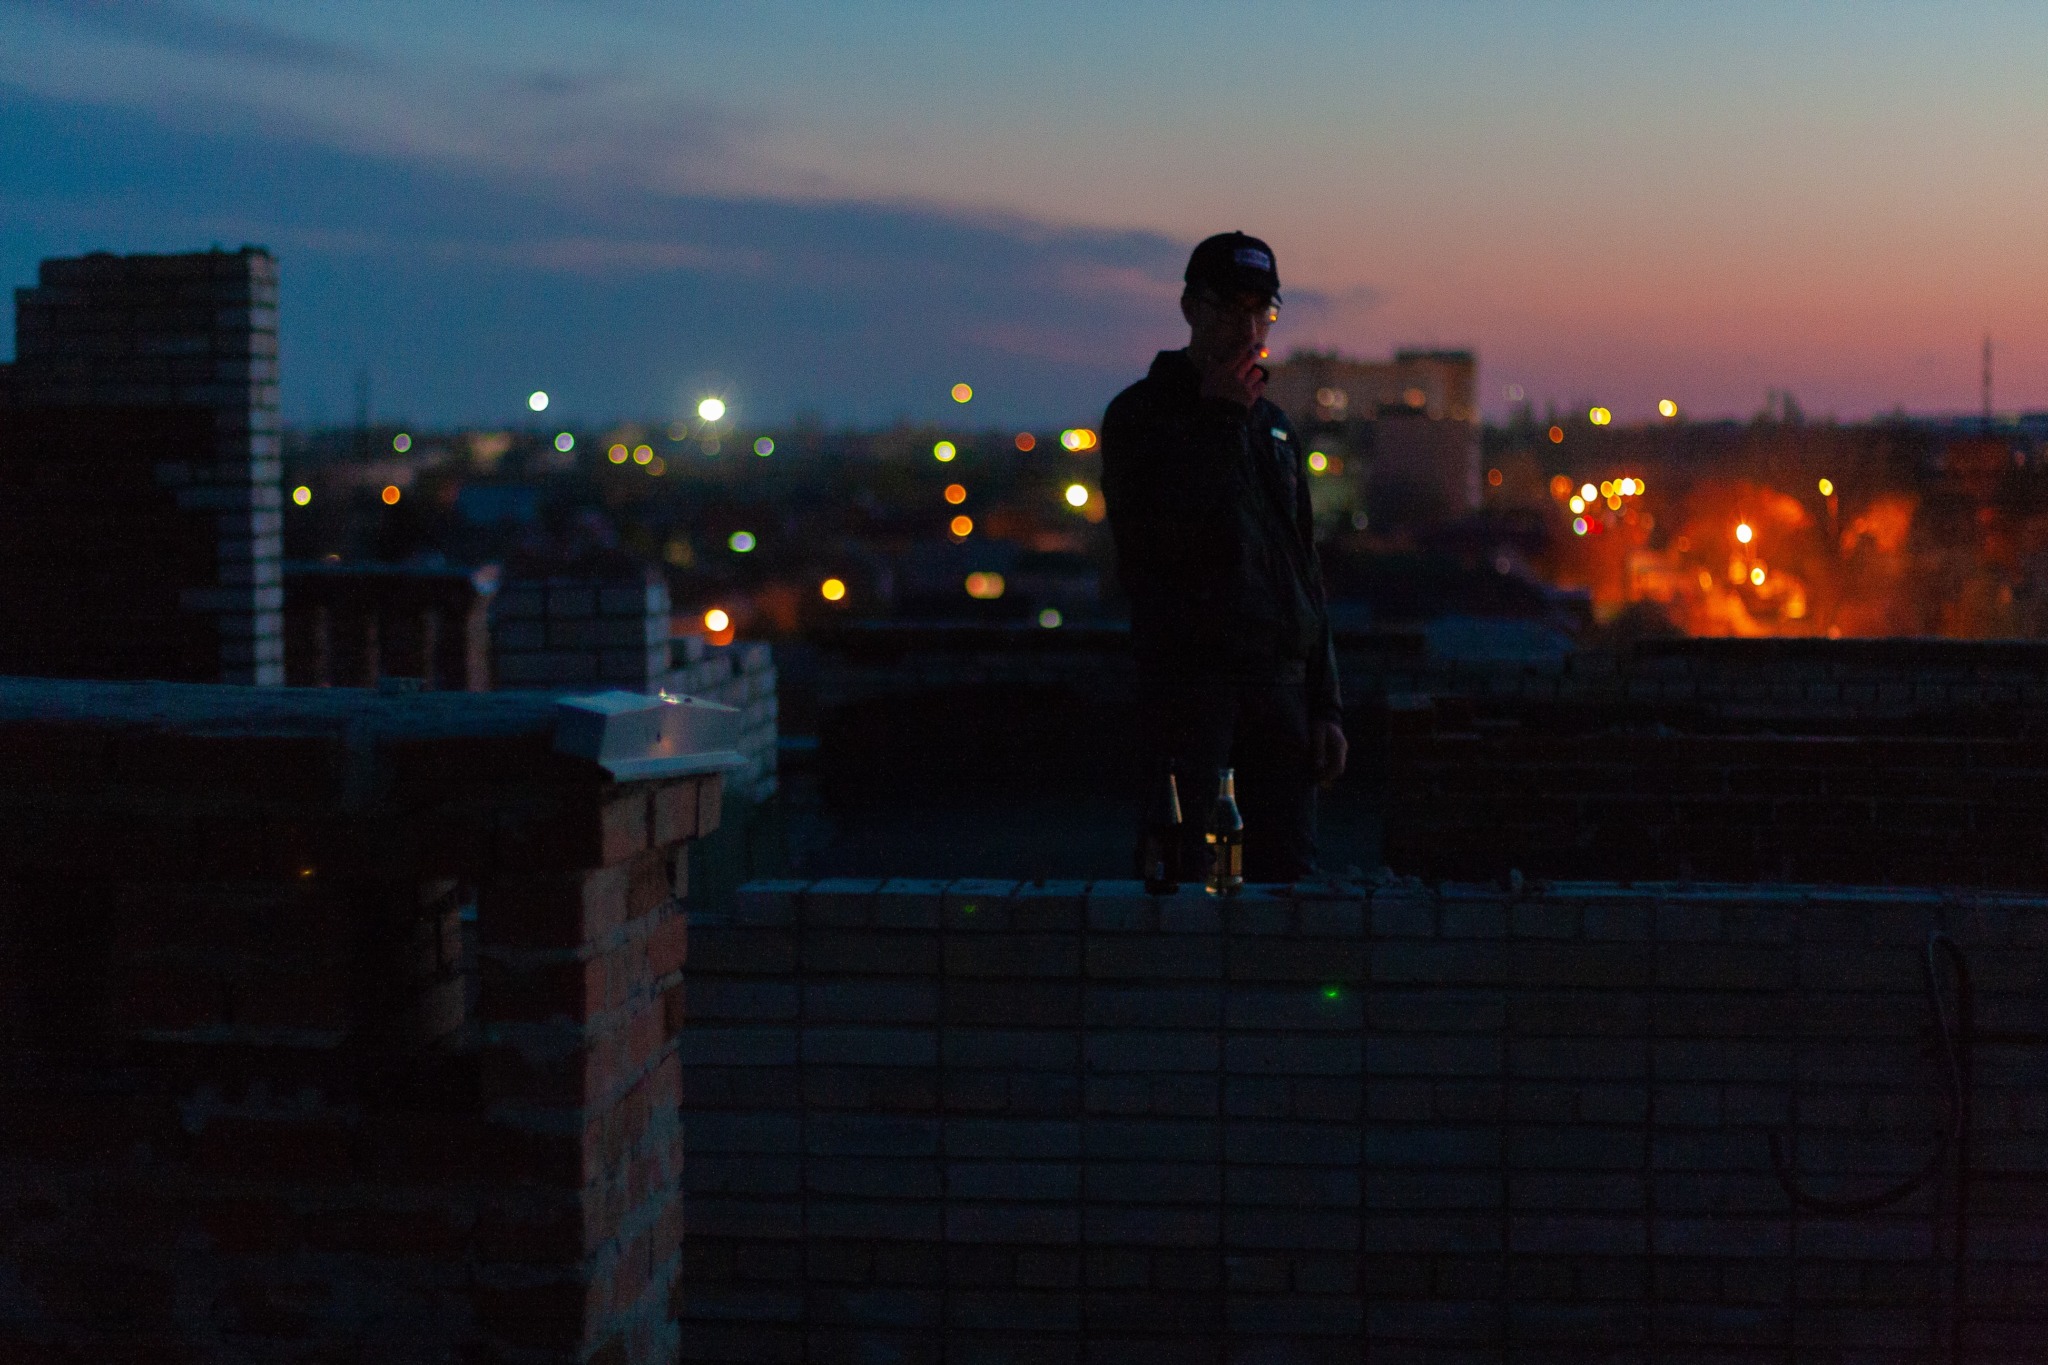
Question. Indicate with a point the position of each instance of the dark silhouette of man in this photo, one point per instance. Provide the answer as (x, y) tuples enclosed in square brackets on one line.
[(1207, 492)]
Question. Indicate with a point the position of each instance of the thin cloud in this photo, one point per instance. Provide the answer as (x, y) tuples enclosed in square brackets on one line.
[(195, 32)]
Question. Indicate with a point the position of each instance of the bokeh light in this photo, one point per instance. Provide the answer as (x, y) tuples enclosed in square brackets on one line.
[(401, 443), (1317, 461), (832, 590), (1578, 526), (962, 527), (564, 442), (1666, 408), (764, 447), (537, 400), (962, 392), (1557, 436), (642, 454), (302, 495), (1050, 618), (956, 493), (1026, 441), (740, 542), (944, 452), (984, 587), (1077, 495), (618, 454), (1827, 488), (390, 495), (711, 409), (1599, 417), (1743, 533), (716, 621), (1588, 492)]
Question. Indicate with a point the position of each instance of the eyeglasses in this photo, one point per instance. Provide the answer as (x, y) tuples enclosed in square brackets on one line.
[(1265, 311)]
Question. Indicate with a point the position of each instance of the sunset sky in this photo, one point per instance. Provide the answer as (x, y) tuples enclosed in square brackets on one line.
[(844, 209)]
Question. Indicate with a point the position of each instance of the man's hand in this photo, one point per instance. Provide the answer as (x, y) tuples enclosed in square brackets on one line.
[(1331, 749), (1237, 378)]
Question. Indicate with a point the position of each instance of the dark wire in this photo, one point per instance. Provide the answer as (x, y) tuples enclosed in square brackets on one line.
[(1956, 1035)]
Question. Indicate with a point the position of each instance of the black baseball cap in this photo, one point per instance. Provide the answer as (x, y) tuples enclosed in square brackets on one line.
[(1234, 263)]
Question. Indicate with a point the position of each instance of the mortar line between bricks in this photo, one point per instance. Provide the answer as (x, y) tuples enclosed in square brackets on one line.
[(1223, 988), (802, 912), (945, 1123), (1652, 1289), (1504, 1105), (1361, 1278), (1796, 1004)]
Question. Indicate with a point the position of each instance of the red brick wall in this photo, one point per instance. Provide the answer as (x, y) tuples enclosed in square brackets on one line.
[(341, 1032)]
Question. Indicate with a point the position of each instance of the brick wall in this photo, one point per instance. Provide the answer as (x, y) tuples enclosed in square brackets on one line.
[(140, 441), (351, 625), (1064, 1121), (334, 1026), (606, 626)]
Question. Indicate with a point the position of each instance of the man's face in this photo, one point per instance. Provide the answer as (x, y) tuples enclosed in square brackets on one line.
[(1226, 326)]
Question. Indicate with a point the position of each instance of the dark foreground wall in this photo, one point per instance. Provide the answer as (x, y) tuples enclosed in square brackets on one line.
[(334, 1027), (994, 1121)]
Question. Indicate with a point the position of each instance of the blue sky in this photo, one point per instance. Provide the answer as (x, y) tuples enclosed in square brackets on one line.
[(844, 209)]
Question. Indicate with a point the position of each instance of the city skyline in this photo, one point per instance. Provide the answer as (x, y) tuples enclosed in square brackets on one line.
[(819, 211)]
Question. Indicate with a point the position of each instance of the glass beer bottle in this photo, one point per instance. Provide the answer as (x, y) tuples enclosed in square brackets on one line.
[(1224, 837), (1159, 848)]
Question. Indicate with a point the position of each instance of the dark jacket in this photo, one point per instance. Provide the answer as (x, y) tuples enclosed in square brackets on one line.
[(1209, 505)]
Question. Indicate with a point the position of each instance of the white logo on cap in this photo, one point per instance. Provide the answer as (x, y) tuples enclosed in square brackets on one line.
[(1253, 257)]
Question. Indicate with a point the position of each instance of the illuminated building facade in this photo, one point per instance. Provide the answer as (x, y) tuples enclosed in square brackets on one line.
[(140, 532), (1405, 432)]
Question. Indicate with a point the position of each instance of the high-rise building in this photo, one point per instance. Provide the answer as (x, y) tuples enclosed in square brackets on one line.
[(140, 531), (1409, 426)]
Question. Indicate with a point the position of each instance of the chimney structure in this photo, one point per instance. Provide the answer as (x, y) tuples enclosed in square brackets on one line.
[(141, 532)]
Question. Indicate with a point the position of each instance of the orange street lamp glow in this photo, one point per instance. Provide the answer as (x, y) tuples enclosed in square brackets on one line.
[(962, 527), (1744, 534), (956, 494)]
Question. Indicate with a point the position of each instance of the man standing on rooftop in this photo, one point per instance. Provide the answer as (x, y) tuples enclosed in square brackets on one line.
[(1207, 494)]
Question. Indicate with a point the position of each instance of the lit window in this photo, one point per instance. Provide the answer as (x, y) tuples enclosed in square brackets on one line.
[(302, 495)]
